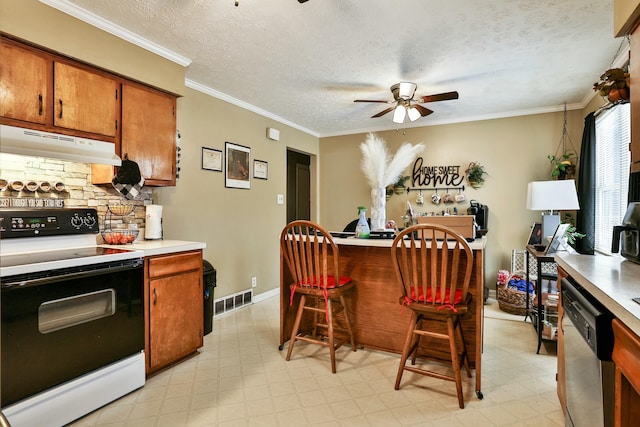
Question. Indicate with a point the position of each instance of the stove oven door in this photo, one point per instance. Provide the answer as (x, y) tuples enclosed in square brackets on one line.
[(70, 323)]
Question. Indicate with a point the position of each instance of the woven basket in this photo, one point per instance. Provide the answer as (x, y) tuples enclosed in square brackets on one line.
[(513, 301)]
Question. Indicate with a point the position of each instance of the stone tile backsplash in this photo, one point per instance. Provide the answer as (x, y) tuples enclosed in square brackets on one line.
[(78, 190)]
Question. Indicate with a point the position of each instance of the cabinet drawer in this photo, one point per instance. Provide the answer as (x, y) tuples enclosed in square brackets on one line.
[(164, 265)]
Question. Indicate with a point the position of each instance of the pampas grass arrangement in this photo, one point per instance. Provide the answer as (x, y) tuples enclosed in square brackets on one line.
[(380, 170)]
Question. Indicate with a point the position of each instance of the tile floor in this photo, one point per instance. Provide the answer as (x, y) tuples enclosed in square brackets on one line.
[(241, 379)]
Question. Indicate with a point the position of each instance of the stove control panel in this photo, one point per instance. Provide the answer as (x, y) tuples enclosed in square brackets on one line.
[(47, 222)]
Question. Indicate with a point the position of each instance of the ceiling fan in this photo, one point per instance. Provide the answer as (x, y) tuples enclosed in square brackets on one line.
[(406, 104)]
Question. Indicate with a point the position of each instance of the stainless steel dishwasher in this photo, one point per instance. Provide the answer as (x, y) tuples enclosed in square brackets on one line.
[(588, 341)]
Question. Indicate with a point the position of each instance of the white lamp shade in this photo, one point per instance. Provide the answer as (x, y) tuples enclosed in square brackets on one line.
[(399, 114), (414, 114), (406, 90), (552, 196)]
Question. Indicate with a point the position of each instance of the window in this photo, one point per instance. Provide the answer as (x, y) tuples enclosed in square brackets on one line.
[(613, 159)]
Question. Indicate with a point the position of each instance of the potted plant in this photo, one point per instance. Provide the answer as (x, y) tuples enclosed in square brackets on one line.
[(613, 85), (572, 233), (475, 174), (562, 166), (399, 185)]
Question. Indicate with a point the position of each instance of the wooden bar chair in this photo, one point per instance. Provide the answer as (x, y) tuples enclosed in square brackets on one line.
[(311, 256), (435, 283)]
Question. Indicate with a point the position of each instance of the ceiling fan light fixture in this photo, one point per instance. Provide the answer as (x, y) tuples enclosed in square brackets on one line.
[(399, 114), (413, 113), (407, 90)]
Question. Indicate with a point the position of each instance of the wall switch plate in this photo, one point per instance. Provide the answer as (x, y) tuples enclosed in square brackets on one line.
[(254, 281), (280, 199)]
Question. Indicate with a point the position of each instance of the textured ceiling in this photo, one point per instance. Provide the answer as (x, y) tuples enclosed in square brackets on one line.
[(306, 63)]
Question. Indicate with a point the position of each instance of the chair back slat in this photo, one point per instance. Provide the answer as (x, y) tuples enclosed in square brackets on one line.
[(310, 254), (430, 274)]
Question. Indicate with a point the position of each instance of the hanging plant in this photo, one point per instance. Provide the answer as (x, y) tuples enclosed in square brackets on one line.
[(613, 85), (562, 166), (475, 174)]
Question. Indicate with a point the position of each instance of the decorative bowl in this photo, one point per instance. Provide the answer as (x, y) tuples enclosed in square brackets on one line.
[(119, 237)]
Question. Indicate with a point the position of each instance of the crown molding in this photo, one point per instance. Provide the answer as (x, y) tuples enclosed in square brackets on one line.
[(231, 100), (111, 28)]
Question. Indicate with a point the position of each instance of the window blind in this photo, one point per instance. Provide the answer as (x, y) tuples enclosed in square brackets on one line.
[(613, 135)]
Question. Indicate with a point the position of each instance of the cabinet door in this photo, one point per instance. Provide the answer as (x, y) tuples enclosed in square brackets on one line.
[(23, 84), (634, 70), (84, 100), (176, 317), (149, 133), (626, 356)]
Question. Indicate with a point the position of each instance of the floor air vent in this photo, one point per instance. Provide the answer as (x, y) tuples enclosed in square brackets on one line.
[(232, 302)]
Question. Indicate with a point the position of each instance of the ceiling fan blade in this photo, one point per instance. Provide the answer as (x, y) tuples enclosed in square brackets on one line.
[(424, 111), (383, 112), (373, 100), (438, 97)]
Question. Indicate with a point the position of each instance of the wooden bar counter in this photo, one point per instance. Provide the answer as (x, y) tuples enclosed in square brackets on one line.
[(379, 321)]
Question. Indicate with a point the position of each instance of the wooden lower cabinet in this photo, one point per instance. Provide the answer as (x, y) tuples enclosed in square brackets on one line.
[(174, 307), (626, 356)]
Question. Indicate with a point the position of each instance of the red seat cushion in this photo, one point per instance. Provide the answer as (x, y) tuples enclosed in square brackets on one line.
[(456, 300), (331, 281)]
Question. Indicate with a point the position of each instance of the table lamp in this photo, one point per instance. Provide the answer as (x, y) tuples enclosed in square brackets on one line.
[(552, 196)]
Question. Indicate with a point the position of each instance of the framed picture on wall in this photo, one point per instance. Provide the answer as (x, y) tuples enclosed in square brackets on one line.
[(237, 166), (260, 169), (211, 159)]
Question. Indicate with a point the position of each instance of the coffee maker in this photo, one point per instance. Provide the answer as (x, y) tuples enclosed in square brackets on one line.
[(481, 214)]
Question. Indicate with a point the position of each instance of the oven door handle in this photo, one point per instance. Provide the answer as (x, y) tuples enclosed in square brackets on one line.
[(69, 275)]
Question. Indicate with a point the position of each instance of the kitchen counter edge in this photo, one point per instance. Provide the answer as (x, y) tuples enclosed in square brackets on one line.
[(612, 280), (161, 247)]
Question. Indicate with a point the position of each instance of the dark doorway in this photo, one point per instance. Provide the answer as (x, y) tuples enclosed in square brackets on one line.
[(298, 186)]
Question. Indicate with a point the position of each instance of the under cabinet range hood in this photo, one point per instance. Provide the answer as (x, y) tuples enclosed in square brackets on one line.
[(28, 142)]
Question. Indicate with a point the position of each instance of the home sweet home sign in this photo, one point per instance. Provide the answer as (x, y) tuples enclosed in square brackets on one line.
[(435, 176)]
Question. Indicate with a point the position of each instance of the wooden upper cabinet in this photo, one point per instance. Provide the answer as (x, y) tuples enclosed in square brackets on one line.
[(24, 89), (149, 133), (85, 100), (634, 71)]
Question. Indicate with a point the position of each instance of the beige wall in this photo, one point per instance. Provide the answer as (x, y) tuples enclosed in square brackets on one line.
[(241, 227), (513, 150), (45, 26)]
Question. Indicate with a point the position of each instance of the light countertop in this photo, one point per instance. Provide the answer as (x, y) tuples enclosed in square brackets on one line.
[(161, 247), (612, 280)]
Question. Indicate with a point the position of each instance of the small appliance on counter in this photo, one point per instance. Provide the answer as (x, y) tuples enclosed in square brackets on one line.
[(626, 237), (153, 222), (481, 214)]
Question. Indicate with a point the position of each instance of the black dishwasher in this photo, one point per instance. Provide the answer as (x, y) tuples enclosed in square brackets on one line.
[(588, 341)]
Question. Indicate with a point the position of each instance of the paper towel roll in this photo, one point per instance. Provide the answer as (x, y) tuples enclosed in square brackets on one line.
[(153, 222)]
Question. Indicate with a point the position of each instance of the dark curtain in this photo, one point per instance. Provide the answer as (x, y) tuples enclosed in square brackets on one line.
[(586, 217)]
